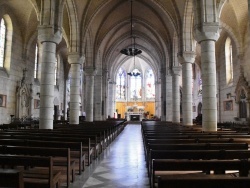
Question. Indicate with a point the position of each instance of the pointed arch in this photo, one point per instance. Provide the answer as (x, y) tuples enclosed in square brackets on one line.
[(188, 40), (74, 27)]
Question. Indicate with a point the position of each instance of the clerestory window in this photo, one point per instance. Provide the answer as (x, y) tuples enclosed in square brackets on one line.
[(3, 32)]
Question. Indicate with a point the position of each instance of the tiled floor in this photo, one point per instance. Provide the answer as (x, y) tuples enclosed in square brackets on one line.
[(122, 164)]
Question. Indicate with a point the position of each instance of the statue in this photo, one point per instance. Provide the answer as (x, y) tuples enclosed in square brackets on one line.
[(24, 104)]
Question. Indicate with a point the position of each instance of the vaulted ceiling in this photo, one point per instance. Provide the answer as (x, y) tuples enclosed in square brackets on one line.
[(104, 26)]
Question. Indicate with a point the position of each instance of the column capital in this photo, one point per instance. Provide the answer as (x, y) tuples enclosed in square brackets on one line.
[(186, 57), (48, 34), (209, 31), (75, 58), (176, 70), (90, 71)]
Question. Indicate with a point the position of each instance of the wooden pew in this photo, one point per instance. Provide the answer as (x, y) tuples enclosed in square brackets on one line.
[(191, 141), (76, 152), (89, 142), (98, 138), (195, 155), (61, 157), (206, 181), (10, 178), (196, 146), (164, 165), (48, 177), (86, 143), (75, 148)]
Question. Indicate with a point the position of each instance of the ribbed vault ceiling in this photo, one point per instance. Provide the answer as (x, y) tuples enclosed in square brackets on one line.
[(105, 24)]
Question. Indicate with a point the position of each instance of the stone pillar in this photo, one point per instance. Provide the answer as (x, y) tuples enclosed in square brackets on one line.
[(111, 96), (90, 76), (158, 99), (248, 107), (207, 33), (163, 94), (105, 94), (176, 94), (187, 113), (98, 96), (31, 105), (75, 69), (65, 100), (49, 40), (209, 100), (169, 98)]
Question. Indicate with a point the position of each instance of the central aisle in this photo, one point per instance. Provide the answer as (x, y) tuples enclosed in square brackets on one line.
[(122, 164)]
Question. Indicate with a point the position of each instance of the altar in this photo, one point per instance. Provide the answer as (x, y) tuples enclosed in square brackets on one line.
[(134, 116), (134, 113)]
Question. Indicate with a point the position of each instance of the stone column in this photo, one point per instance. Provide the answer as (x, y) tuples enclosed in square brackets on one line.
[(49, 40), (65, 100), (186, 61), (111, 96), (90, 76), (209, 100), (169, 98), (105, 94), (75, 69), (31, 105), (207, 33), (163, 94), (98, 96), (158, 99), (248, 107), (176, 71)]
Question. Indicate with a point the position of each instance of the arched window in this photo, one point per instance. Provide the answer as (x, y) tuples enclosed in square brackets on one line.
[(56, 70), (200, 86), (121, 84), (229, 60), (135, 85), (150, 84), (2, 41), (36, 62)]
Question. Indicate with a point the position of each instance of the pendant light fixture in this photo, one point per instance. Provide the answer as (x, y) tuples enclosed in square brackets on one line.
[(131, 51)]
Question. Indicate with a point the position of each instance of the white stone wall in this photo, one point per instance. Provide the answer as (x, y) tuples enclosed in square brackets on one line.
[(224, 88), (8, 82)]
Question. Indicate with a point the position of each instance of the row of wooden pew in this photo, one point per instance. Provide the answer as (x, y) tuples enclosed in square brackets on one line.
[(52, 158), (177, 156)]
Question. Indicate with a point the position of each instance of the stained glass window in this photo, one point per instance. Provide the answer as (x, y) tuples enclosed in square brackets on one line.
[(135, 86), (229, 60), (2, 41), (150, 84), (56, 69), (36, 63), (121, 84), (200, 86)]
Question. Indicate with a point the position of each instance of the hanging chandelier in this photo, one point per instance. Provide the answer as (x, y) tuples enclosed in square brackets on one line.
[(131, 51)]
